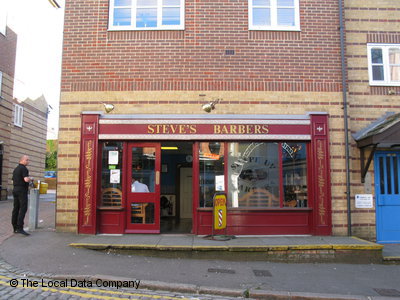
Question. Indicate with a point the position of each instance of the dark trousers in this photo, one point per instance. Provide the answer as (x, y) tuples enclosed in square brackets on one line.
[(20, 207)]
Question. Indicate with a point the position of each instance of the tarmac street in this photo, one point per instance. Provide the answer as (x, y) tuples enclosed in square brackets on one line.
[(47, 254)]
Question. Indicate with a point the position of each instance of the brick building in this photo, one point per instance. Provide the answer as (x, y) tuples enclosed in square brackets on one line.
[(23, 125), (274, 143), (8, 47), (373, 58)]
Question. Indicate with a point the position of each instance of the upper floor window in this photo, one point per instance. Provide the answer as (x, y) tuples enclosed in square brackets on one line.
[(146, 14), (384, 64), (274, 15), (18, 115)]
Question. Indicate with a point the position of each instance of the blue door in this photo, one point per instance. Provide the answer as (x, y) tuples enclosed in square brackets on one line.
[(387, 185)]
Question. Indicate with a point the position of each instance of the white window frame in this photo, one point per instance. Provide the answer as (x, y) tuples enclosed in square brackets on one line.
[(386, 66), (18, 115), (159, 26), (274, 18)]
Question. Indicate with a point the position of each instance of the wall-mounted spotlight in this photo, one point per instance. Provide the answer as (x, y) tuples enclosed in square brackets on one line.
[(208, 107), (108, 107)]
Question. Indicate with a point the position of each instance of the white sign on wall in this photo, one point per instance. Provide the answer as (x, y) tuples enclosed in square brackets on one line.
[(364, 201)]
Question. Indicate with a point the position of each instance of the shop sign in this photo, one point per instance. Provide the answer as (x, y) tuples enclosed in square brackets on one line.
[(364, 201), (219, 211), (182, 129)]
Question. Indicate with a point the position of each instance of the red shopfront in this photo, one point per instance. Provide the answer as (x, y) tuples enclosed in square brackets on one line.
[(158, 173)]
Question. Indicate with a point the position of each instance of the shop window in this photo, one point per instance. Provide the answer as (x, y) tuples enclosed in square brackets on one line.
[(253, 175), (111, 174), (294, 174), (211, 163), (146, 14)]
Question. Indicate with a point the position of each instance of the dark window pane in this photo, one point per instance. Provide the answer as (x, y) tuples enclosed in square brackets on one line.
[(211, 155), (388, 177), (294, 174), (376, 56), (111, 174), (396, 175), (381, 175), (377, 73), (143, 169)]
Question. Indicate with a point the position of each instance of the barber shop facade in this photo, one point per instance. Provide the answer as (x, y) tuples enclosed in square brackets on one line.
[(273, 145), (273, 169)]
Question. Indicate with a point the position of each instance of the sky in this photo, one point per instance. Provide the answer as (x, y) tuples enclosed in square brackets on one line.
[(39, 27)]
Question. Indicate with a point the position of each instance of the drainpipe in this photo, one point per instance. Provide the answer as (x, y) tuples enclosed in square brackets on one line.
[(346, 126)]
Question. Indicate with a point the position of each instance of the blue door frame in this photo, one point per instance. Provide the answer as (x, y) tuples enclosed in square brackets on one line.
[(387, 192)]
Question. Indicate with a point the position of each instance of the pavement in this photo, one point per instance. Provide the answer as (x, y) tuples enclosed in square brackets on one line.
[(241, 267)]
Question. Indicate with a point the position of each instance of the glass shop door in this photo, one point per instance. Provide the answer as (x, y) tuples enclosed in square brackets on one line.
[(143, 188)]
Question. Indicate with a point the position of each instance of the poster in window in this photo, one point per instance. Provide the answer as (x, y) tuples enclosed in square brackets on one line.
[(113, 157), (115, 176)]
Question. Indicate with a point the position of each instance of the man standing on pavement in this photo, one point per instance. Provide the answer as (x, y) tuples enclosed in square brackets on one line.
[(21, 182)]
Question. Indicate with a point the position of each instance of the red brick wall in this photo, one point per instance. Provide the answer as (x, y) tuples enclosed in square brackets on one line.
[(195, 59)]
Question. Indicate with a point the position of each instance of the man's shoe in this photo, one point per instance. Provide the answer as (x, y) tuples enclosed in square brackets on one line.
[(21, 231)]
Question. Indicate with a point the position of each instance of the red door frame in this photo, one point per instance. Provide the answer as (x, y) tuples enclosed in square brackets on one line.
[(151, 197)]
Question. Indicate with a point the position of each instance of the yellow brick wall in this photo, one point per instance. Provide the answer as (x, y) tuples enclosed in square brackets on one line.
[(366, 104)]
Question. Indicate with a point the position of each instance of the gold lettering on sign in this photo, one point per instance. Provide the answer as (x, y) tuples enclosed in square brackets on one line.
[(321, 180), (171, 129), (88, 182), (241, 129)]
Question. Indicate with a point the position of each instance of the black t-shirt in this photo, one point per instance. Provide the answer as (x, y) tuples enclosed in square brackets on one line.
[(20, 172)]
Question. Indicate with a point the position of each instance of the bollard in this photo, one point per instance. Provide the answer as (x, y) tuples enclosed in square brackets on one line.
[(33, 208)]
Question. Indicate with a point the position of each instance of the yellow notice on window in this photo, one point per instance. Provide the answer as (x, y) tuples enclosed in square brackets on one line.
[(220, 211)]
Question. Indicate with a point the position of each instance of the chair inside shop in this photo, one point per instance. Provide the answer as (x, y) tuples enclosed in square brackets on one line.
[(138, 210), (111, 197)]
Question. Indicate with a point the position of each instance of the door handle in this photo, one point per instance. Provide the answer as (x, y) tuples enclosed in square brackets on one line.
[(157, 177)]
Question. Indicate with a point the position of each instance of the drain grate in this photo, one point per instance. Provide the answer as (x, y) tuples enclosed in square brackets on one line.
[(222, 271), (262, 273), (388, 292)]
